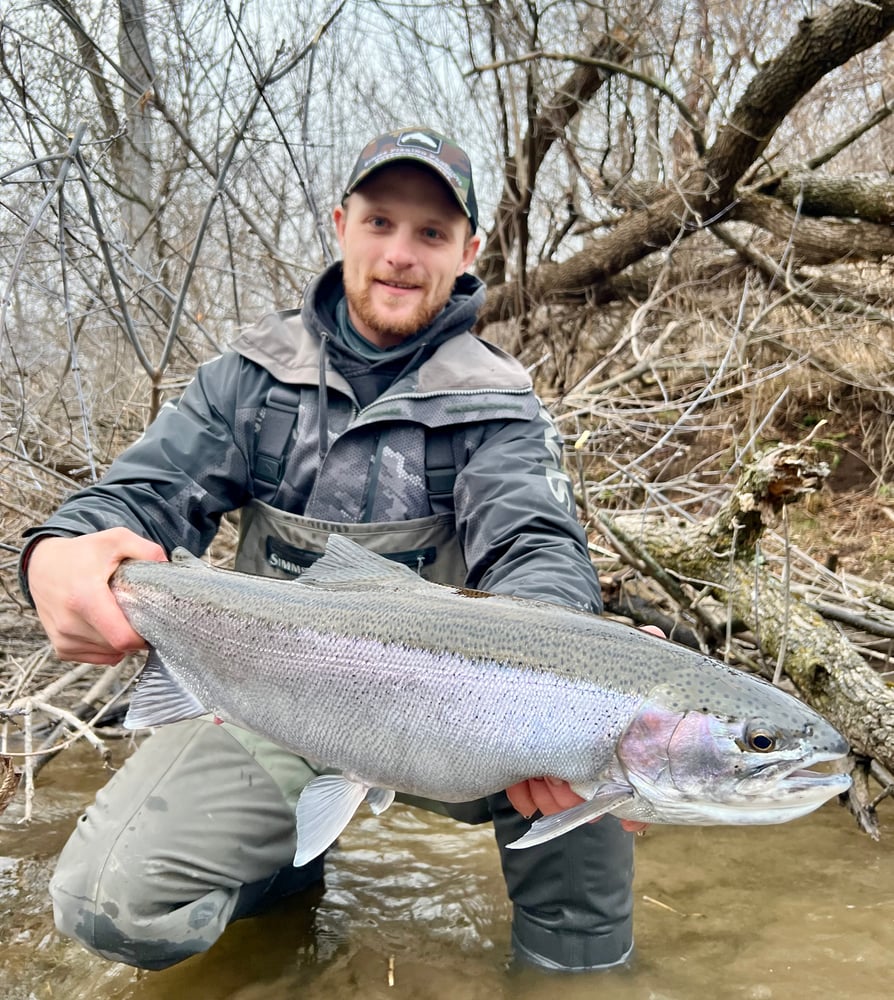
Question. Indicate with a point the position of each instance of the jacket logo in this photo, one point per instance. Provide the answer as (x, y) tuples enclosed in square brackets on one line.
[(558, 482)]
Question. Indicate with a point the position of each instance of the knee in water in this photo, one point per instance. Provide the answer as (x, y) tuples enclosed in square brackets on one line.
[(152, 937)]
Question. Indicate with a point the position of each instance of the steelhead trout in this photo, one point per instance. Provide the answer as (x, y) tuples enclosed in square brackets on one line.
[(403, 685)]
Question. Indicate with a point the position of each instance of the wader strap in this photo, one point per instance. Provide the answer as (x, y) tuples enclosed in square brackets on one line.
[(281, 413), (440, 468), (280, 416)]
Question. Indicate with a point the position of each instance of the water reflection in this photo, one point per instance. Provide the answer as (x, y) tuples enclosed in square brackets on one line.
[(805, 909)]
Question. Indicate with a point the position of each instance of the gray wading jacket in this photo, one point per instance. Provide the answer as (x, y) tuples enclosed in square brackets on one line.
[(514, 507)]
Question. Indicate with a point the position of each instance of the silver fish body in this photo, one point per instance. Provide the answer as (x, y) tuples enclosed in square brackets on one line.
[(403, 685)]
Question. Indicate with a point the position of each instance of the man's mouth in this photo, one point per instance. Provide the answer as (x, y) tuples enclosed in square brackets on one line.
[(400, 286)]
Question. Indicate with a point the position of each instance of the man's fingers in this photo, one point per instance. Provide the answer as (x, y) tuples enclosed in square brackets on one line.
[(69, 581), (552, 795), (546, 795), (520, 797), (632, 826)]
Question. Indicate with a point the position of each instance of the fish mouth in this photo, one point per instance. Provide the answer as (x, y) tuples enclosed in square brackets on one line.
[(798, 789), (805, 780), (760, 802)]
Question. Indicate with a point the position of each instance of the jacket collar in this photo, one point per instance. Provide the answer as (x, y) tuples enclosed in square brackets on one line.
[(287, 344)]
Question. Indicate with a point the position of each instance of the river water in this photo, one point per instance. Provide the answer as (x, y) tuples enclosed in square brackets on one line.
[(414, 908)]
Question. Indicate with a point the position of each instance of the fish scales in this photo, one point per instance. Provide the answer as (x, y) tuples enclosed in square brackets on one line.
[(394, 681), (402, 685)]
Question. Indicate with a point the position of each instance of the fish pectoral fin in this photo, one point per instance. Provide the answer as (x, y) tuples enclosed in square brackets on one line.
[(379, 799), (158, 699), (606, 798), (324, 809)]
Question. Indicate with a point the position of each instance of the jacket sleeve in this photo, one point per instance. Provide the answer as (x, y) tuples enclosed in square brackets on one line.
[(517, 522), (176, 481)]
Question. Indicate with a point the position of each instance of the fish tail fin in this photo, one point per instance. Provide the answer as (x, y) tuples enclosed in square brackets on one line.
[(158, 699)]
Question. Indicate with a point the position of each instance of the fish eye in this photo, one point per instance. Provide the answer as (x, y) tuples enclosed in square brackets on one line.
[(760, 740)]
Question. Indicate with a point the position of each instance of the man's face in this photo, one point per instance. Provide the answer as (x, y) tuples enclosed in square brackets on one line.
[(405, 241)]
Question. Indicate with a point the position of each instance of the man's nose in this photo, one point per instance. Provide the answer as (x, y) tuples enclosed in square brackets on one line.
[(400, 250)]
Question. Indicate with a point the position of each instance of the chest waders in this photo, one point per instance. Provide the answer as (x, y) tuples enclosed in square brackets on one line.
[(278, 543), (572, 897)]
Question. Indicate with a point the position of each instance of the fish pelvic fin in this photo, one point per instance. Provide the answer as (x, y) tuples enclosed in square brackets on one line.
[(158, 699), (325, 808), (379, 799), (608, 797)]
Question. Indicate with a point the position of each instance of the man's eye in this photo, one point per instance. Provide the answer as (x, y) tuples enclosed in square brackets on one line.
[(433, 234)]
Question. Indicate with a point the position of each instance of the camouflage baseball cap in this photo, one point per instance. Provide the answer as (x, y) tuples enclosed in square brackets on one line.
[(425, 146)]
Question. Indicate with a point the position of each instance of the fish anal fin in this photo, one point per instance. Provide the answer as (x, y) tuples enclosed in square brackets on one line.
[(379, 799)]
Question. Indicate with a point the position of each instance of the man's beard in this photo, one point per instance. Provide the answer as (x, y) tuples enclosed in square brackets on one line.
[(360, 300)]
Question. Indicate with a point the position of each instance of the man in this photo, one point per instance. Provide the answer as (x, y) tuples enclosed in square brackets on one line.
[(371, 411)]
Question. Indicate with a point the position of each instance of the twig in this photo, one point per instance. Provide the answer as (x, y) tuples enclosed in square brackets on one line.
[(698, 138), (854, 620), (787, 594), (238, 136)]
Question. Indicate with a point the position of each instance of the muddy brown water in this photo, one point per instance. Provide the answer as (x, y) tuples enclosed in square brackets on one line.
[(414, 908)]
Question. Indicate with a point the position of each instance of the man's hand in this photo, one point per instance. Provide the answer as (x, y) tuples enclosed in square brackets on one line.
[(551, 795), (69, 582)]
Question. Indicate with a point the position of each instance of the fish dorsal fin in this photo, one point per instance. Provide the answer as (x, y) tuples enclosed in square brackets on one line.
[(345, 565), (608, 797), (158, 699)]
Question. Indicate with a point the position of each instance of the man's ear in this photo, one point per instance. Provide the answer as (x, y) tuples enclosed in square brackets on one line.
[(339, 215), (470, 252)]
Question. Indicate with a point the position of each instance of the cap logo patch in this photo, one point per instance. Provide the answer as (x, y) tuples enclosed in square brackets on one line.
[(420, 140)]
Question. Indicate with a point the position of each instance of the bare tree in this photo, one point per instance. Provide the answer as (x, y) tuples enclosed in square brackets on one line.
[(709, 191), (687, 211)]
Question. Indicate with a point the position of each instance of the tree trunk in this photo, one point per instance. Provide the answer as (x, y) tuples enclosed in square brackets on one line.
[(820, 45), (820, 241), (545, 128), (869, 198)]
